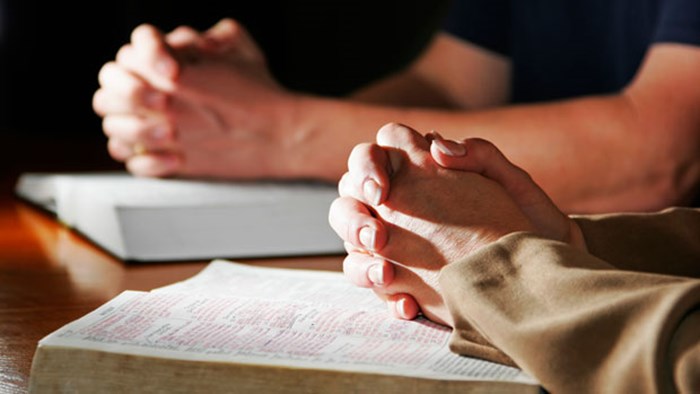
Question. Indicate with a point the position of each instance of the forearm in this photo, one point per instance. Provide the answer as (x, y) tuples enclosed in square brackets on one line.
[(451, 73), (405, 89), (573, 321), (597, 154), (590, 155)]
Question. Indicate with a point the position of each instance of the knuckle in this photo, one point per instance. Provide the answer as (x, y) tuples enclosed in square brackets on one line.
[(349, 248), (479, 150), (389, 130), (348, 264), (97, 102), (344, 185), (143, 28), (146, 166), (354, 267), (356, 149), (482, 145), (335, 205), (230, 27), (360, 154), (185, 31), (334, 215), (105, 73), (364, 149), (396, 134), (116, 150), (230, 23), (124, 54), (108, 126)]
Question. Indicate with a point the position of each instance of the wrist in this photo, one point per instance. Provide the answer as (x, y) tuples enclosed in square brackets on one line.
[(293, 135), (311, 148)]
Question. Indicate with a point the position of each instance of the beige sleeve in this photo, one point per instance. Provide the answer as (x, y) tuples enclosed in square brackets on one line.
[(575, 322), (666, 242)]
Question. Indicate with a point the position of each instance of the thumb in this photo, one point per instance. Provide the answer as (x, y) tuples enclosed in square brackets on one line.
[(482, 157), (230, 36)]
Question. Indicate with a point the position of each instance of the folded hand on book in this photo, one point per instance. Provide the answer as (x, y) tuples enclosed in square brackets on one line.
[(194, 103), (411, 204)]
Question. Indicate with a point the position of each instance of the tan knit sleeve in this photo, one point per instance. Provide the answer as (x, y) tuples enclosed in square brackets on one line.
[(576, 323), (666, 242)]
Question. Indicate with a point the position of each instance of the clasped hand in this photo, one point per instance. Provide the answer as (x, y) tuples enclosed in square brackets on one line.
[(193, 104), (411, 204)]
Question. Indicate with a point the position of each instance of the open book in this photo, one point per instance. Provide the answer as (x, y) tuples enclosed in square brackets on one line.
[(146, 219), (237, 328)]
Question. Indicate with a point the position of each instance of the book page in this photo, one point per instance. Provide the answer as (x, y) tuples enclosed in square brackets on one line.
[(225, 278), (266, 332), (292, 333)]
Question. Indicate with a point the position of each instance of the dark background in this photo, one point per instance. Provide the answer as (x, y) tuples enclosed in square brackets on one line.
[(51, 52)]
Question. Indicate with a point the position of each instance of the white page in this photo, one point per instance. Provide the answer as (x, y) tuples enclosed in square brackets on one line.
[(126, 190), (225, 278), (266, 332), (234, 312)]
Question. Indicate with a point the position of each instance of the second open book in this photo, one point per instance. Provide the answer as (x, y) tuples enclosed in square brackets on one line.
[(249, 329)]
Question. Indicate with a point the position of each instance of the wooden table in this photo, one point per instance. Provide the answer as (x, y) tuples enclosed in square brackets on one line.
[(50, 276)]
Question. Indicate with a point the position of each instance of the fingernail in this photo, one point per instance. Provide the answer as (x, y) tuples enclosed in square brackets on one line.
[(376, 274), (372, 191), (433, 135), (401, 308), (368, 237), (160, 132), (450, 148)]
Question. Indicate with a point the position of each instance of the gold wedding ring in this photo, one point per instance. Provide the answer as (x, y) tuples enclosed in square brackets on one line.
[(139, 149)]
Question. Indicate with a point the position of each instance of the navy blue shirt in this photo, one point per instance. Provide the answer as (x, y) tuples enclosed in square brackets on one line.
[(569, 48)]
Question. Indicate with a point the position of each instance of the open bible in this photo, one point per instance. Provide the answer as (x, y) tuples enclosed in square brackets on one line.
[(148, 219), (237, 328)]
